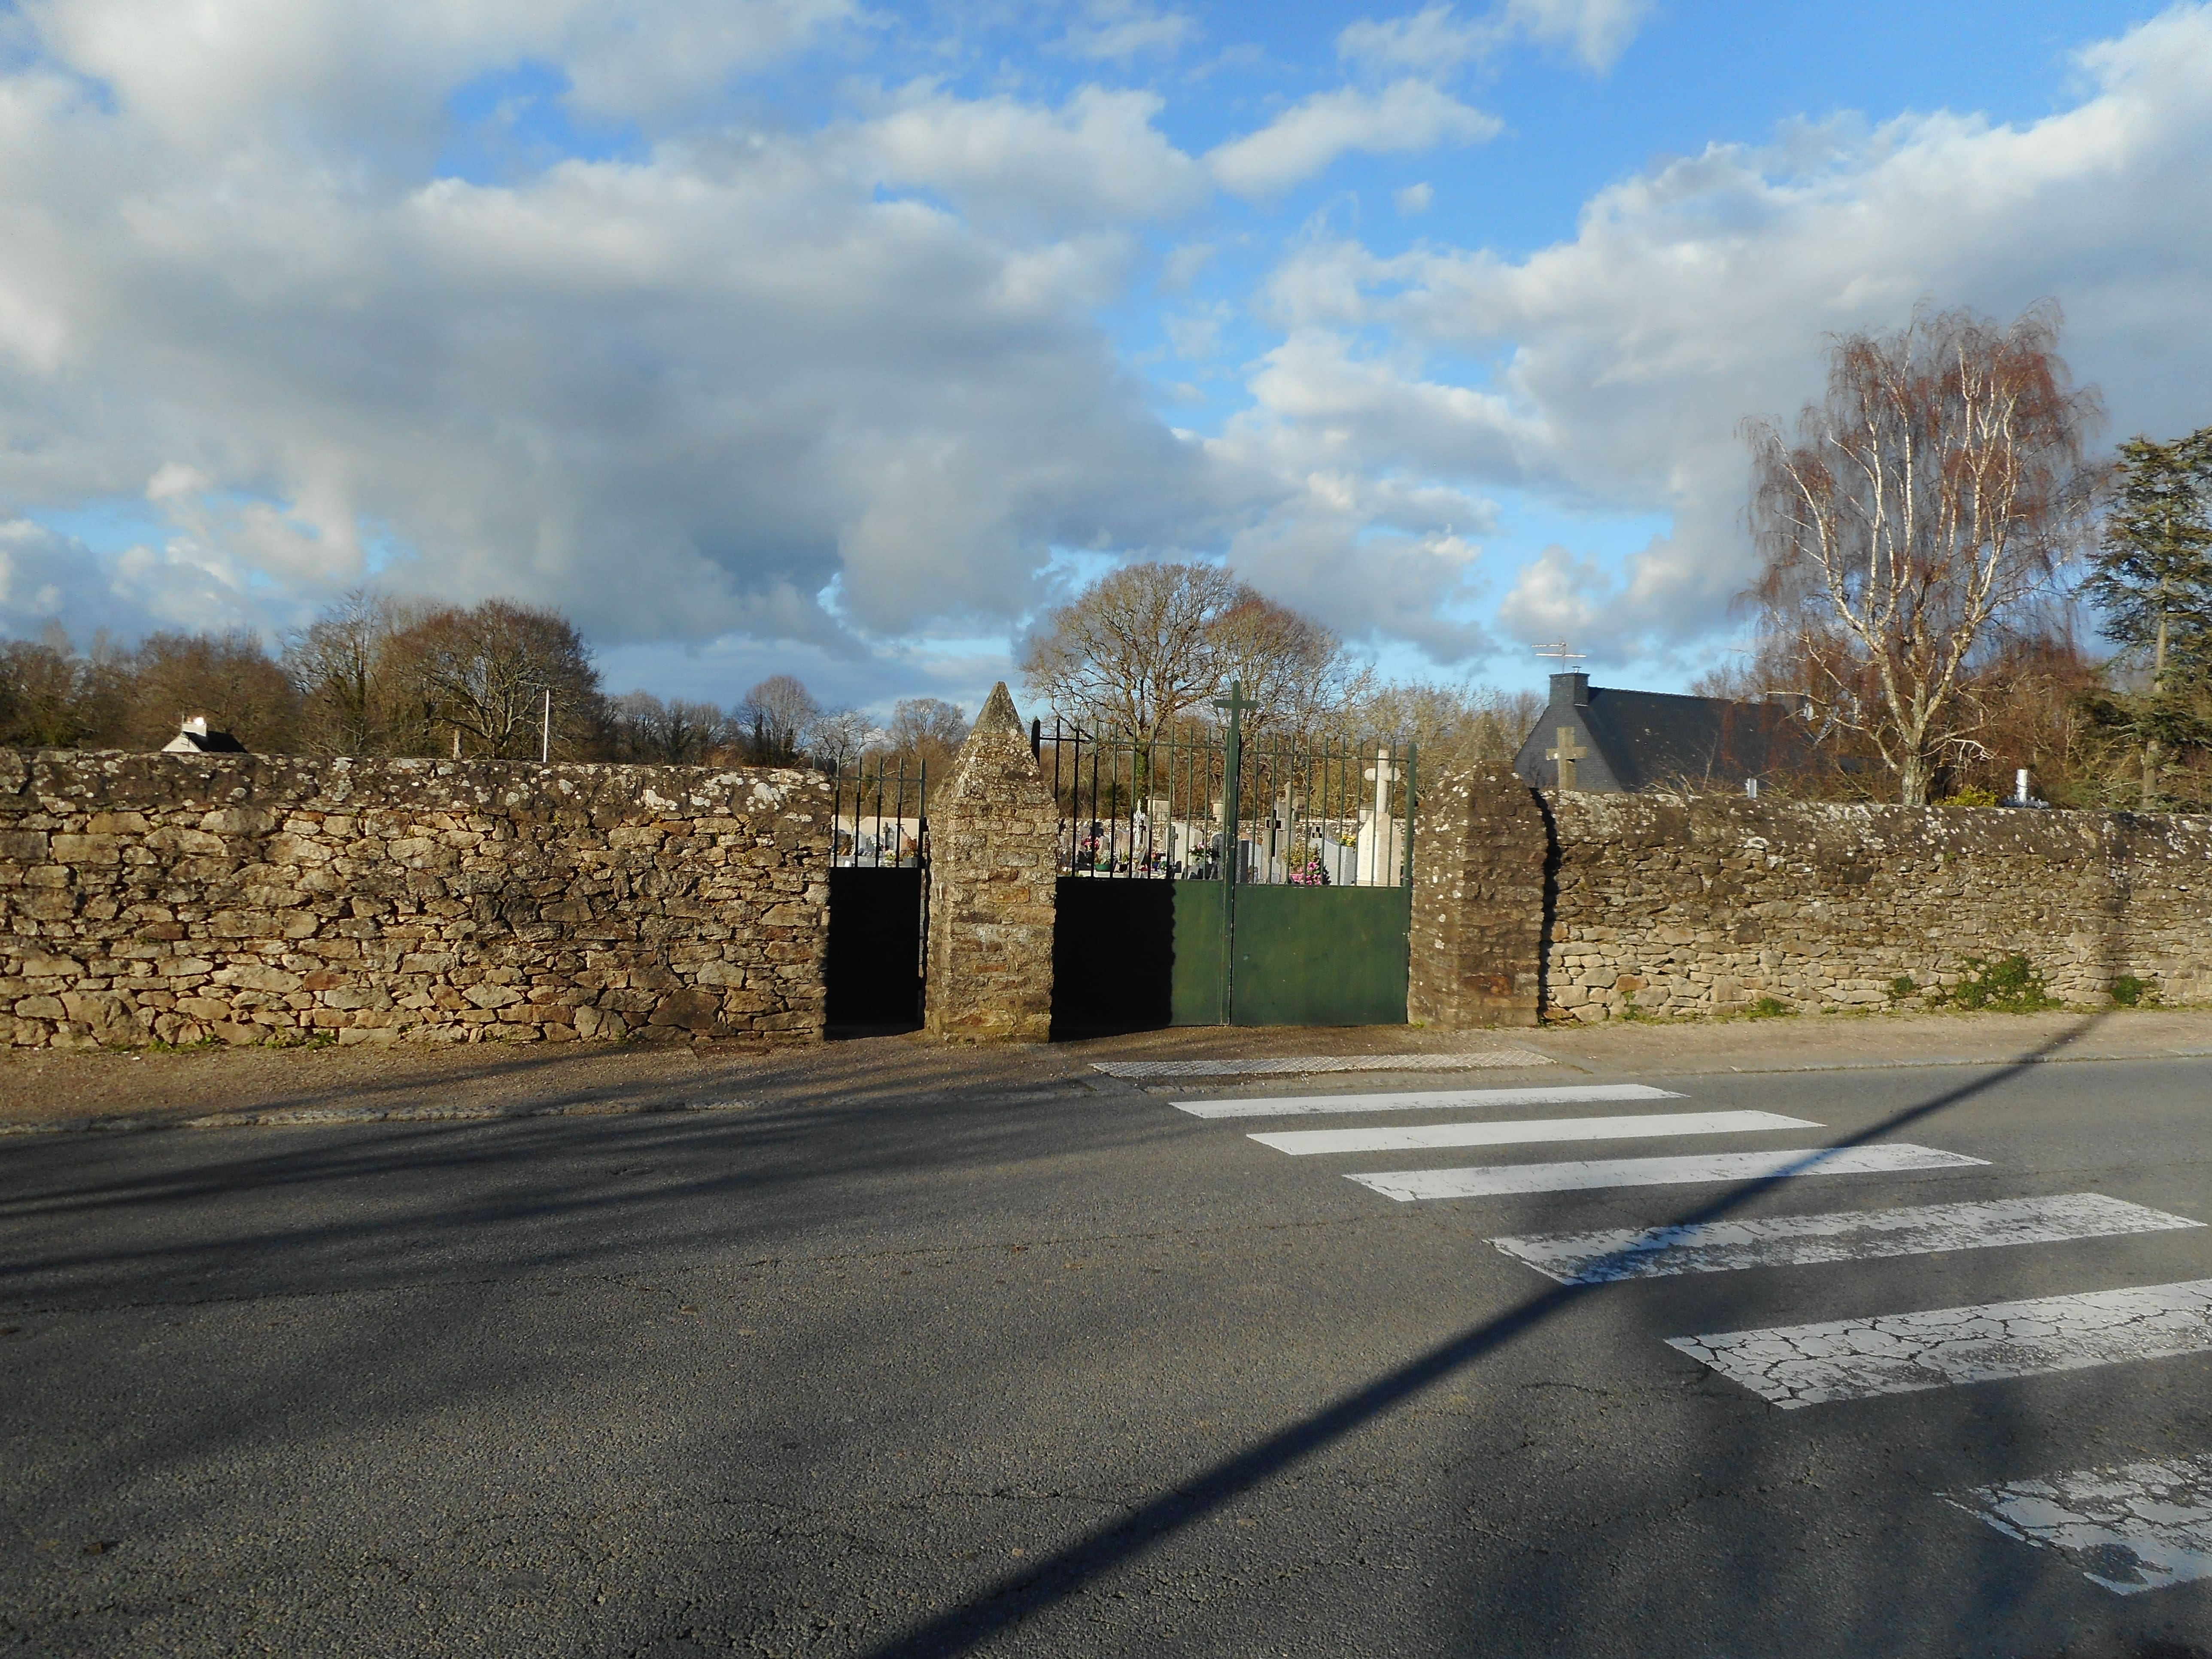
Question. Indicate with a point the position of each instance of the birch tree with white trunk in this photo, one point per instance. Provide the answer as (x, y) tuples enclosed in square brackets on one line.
[(1929, 501)]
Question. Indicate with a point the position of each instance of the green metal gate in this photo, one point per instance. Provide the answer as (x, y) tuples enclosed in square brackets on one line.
[(1287, 863)]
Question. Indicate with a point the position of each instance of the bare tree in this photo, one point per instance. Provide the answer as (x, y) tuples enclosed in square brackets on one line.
[(228, 678), (1935, 493), (485, 673), (1135, 650), (837, 736), (1153, 641), (673, 733), (929, 730), (359, 692), (1450, 726), (1291, 667), (774, 714), (44, 701)]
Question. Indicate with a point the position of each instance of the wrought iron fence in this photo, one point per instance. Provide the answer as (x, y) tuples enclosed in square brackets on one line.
[(882, 818), (1301, 814)]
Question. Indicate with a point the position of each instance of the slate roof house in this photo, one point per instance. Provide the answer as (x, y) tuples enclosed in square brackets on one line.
[(193, 738), (1593, 738)]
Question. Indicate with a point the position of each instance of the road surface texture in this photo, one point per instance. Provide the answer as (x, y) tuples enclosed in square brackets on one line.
[(895, 1352)]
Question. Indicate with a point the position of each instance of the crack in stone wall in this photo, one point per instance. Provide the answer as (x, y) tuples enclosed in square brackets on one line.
[(179, 899)]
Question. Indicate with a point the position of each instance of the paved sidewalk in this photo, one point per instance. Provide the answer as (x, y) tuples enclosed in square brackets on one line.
[(270, 1087)]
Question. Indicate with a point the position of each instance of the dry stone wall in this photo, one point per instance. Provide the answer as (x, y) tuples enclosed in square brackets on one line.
[(1708, 904), (1477, 904), (993, 888), (178, 898), (1671, 906)]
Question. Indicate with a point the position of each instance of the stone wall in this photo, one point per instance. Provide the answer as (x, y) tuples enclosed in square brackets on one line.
[(244, 898), (1707, 905), (993, 888), (1479, 855)]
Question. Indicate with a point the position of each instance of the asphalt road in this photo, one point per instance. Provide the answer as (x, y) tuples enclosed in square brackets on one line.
[(1042, 1366)]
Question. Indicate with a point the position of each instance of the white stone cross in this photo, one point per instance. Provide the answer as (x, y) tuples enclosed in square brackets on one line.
[(1566, 753), (1384, 773)]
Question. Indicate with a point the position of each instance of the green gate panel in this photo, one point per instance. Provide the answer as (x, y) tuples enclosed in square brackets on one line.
[(1320, 956), (1199, 978)]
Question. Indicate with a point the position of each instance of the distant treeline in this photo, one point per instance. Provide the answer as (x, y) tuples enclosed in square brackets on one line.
[(374, 674)]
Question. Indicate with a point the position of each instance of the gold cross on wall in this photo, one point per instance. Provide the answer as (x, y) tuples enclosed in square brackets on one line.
[(1566, 753)]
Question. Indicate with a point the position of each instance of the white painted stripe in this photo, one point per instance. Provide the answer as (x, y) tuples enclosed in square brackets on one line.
[(1453, 1100), (1797, 1365), (1473, 1060), (1792, 1241), (1886, 1158), (1652, 1126), (2133, 1528)]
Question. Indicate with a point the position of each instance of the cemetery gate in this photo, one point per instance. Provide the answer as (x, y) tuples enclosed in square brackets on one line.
[(878, 895), (1220, 876)]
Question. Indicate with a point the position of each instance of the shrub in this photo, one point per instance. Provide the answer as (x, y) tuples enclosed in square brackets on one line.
[(2129, 992), (1769, 1008), (1972, 795), (1902, 986), (2006, 986)]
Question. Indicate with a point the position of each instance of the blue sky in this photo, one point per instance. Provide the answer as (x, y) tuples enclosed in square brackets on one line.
[(804, 335)]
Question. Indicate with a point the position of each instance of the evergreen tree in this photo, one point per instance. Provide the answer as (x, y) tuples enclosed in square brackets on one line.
[(2152, 573), (2151, 576)]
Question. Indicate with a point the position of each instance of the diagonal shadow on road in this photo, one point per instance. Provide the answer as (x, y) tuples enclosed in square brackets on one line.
[(1019, 1596)]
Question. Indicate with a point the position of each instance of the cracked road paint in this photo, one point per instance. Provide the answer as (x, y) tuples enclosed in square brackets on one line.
[(1600, 1258), (1884, 1157), (1794, 1365), (1303, 1143), (1455, 1100), (2134, 1528)]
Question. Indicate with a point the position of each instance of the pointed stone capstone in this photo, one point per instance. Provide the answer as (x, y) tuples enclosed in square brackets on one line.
[(993, 880)]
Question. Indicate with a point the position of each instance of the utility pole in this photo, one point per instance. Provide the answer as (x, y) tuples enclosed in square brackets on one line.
[(546, 730)]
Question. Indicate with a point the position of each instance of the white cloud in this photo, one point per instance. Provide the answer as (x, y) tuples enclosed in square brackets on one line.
[(1431, 41), (1099, 158), (1700, 292), (677, 395), (1599, 30), (213, 76), (1118, 30), (47, 578), (1414, 198), (1434, 40), (1409, 115)]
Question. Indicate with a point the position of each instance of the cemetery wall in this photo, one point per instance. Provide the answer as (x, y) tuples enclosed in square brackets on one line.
[(993, 888), (177, 898), (1675, 905)]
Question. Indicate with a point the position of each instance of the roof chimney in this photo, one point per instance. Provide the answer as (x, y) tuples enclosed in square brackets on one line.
[(1572, 688)]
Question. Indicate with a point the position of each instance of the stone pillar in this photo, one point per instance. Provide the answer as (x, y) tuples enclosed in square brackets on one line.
[(1478, 942), (994, 875)]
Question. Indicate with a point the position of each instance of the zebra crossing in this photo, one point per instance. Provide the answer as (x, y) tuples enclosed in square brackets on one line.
[(2130, 1528)]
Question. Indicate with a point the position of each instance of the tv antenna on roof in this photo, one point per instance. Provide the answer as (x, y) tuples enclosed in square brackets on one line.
[(1558, 648)]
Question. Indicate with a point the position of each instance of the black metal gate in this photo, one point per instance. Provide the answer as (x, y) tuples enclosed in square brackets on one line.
[(878, 897), (1210, 880)]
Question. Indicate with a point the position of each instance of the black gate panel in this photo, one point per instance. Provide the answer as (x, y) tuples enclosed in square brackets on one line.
[(874, 966), (1113, 950)]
